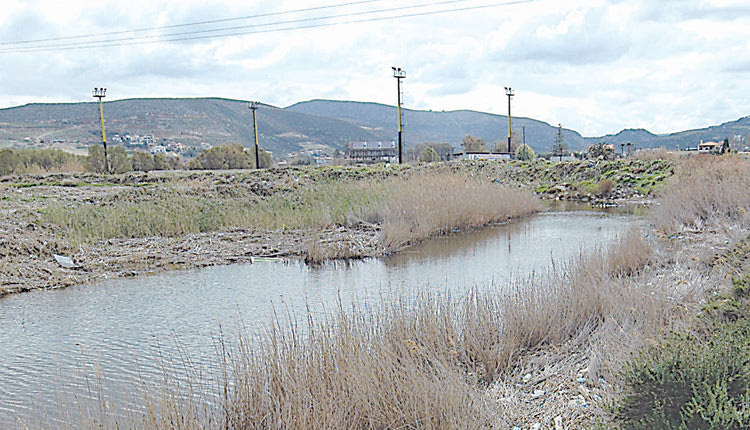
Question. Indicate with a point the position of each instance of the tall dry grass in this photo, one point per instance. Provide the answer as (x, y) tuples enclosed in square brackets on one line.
[(410, 209), (439, 203), (707, 192), (427, 363)]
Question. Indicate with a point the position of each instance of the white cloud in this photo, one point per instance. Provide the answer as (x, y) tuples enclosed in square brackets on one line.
[(596, 66)]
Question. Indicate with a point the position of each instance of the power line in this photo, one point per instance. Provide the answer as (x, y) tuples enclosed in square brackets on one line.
[(176, 36), (171, 38), (215, 21)]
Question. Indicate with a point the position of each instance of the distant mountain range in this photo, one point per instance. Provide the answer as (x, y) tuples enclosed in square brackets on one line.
[(320, 125)]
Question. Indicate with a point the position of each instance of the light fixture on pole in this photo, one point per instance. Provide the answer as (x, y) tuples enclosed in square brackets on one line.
[(254, 107), (100, 93), (399, 74), (509, 93)]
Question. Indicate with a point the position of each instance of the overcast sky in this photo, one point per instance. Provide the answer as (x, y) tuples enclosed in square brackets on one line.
[(595, 66)]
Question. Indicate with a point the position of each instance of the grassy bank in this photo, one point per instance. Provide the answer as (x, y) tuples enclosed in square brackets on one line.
[(410, 208)]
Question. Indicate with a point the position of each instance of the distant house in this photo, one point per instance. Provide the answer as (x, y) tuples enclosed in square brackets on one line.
[(470, 155), (158, 149), (707, 147), (372, 151)]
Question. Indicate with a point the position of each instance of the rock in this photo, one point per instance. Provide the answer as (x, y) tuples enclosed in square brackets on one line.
[(527, 378)]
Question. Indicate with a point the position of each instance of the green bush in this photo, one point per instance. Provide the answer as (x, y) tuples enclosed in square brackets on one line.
[(525, 153), (698, 379), (221, 157)]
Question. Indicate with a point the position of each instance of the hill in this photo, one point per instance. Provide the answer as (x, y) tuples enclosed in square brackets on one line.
[(322, 125), (440, 126), (188, 121)]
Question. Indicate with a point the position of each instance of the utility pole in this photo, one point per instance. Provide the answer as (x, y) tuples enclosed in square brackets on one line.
[(100, 93), (254, 106), (509, 93), (399, 74)]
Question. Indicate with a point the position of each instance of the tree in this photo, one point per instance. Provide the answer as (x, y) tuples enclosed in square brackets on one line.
[(516, 140), (161, 162), (119, 161), (142, 161), (220, 157), (428, 155), (558, 149), (10, 161), (444, 150), (265, 159), (95, 161), (601, 151), (473, 144), (525, 153)]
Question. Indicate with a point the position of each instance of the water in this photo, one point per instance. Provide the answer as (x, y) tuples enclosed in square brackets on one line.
[(58, 347)]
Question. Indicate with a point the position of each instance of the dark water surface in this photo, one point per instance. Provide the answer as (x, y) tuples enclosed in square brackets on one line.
[(115, 337)]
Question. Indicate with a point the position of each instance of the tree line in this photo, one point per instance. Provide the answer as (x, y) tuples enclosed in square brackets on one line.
[(18, 161)]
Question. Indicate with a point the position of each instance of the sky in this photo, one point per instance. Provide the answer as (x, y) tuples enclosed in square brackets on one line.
[(594, 66)]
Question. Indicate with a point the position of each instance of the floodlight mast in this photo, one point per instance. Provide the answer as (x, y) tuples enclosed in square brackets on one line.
[(399, 74), (100, 93), (510, 94)]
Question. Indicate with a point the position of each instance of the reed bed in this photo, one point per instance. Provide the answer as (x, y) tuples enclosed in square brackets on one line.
[(409, 208), (707, 192), (440, 203), (428, 363)]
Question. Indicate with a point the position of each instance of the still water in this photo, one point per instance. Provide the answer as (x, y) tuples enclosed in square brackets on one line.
[(59, 347)]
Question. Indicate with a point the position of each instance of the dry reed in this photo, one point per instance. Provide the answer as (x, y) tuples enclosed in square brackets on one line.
[(426, 363), (440, 203), (707, 192)]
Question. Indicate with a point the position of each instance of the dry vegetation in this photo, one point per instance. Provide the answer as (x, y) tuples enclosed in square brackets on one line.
[(708, 192), (548, 352), (150, 222)]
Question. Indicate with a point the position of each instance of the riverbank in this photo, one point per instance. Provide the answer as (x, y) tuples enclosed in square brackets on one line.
[(134, 224), (141, 223), (557, 351)]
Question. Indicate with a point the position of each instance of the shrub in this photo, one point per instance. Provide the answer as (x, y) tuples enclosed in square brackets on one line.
[(525, 153), (699, 378), (604, 187), (223, 157), (428, 155)]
